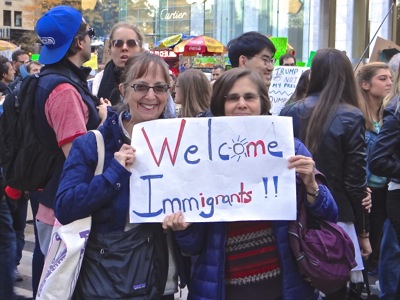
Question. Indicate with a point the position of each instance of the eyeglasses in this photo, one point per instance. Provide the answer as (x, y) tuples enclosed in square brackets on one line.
[(91, 33), (24, 62), (130, 43), (267, 60), (236, 97), (144, 88)]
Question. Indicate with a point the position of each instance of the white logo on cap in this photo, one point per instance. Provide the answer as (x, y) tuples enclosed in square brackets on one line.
[(47, 40)]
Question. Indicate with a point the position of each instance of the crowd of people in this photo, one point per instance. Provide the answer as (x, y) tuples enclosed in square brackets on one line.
[(344, 126)]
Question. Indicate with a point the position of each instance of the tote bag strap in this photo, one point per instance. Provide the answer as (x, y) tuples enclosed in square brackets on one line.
[(100, 152)]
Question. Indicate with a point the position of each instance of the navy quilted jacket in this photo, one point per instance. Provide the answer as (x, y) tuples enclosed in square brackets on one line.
[(208, 241)]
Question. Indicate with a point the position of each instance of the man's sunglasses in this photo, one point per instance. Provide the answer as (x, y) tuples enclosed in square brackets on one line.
[(91, 33), (120, 43)]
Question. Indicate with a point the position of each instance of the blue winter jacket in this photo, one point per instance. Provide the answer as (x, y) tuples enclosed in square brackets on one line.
[(105, 197), (208, 241)]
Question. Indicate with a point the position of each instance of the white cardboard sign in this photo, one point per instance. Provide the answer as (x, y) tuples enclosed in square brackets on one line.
[(213, 169)]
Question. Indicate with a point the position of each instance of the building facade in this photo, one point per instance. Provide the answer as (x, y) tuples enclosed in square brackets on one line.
[(348, 25)]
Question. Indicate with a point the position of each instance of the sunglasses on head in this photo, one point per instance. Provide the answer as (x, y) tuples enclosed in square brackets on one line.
[(120, 43)]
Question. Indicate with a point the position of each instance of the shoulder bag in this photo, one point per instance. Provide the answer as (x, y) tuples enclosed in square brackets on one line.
[(66, 250)]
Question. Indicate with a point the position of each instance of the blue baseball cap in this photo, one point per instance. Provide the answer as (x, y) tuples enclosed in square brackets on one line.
[(56, 30)]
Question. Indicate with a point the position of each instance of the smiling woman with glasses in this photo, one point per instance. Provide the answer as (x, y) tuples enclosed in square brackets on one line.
[(125, 40), (144, 88), (250, 257)]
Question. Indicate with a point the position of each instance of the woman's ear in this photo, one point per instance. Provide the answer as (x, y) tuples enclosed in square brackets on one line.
[(365, 85), (121, 89)]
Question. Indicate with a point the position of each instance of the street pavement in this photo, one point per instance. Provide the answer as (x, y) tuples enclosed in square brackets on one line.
[(24, 287)]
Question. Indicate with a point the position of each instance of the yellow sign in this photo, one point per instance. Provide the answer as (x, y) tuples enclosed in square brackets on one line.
[(92, 62)]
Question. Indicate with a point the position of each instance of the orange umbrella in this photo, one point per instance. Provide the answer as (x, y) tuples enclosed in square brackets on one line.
[(4, 45), (200, 44)]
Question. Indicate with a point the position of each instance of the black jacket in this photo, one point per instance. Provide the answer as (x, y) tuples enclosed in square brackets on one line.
[(385, 156), (4, 88), (341, 157)]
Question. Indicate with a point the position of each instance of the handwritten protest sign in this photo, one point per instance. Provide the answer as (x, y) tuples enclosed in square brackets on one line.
[(283, 83), (213, 169)]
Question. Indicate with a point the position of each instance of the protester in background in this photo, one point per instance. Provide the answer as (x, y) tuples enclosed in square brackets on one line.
[(172, 81), (374, 83), (217, 71), (8, 249), (19, 59), (269, 267), (301, 88), (332, 127), (125, 40), (170, 109), (287, 60), (33, 67), (145, 84), (19, 204), (254, 51), (193, 93), (63, 111), (7, 75), (383, 161)]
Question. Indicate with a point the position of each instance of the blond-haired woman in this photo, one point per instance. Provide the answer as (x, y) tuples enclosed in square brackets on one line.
[(374, 81), (193, 93)]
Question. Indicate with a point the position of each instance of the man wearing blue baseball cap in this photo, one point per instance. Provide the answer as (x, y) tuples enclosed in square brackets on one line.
[(65, 107)]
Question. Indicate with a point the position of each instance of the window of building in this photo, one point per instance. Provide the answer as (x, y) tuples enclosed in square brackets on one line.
[(6, 18), (18, 19)]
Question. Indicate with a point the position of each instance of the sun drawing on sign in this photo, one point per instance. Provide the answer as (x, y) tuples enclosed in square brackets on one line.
[(238, 148)]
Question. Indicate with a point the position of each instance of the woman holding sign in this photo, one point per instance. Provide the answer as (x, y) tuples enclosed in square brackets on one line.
[(249, 260), (122, 260)]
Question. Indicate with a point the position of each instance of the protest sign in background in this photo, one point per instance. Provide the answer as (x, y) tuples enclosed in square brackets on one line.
[(283, 84), (213, 169)]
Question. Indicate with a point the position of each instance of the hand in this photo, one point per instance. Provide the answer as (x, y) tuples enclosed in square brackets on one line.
[(367, 201), (175, 221), (102, 108), (126, 156), (305, 169), (365, 247), (105, 101)]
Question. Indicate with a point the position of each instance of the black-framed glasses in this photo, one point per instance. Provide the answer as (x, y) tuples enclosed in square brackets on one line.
[(130, 43), (91, 33), (247, 97), (144, 88), (267, 60)]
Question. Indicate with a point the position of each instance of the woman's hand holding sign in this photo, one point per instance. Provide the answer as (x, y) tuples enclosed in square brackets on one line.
[(305, 169), (175, 221), (125, 156)]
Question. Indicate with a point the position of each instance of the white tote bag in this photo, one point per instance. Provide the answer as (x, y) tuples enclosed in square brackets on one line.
[(67, 246)]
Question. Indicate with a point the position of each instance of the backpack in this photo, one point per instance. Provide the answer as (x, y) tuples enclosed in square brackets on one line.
[(27, 160), (324, 252)]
